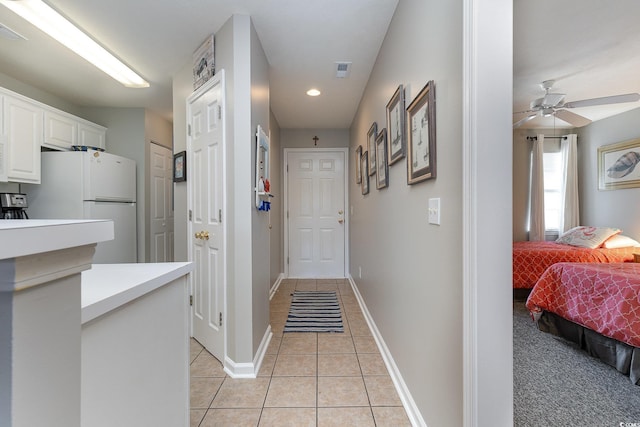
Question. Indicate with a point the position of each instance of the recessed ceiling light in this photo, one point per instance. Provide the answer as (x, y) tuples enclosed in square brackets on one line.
[(313, 92)]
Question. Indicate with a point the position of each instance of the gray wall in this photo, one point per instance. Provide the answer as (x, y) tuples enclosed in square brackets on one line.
[(246, 73), (611, 208), (597, 208), (303, 138), (275, 217), (260, 233), (411, 270)]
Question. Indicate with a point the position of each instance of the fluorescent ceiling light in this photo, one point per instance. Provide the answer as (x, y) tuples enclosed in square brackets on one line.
[(313, 92), (51, 22)]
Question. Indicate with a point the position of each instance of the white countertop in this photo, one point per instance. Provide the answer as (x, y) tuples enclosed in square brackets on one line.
[(21, 237), (108, 286)]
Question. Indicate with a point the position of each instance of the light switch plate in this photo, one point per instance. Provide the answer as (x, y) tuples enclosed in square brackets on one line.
[(434, 211)]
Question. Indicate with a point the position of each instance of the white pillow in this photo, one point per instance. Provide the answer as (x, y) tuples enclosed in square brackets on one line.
[(587, 237), (619, 241)]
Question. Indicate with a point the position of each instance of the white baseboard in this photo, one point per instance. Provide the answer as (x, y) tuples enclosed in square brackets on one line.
[(401, 387), (275, 286), (249, 370)]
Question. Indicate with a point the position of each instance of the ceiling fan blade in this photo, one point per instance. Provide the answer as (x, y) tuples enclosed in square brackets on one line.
[(615, 99), (572, 118), (524, 120)]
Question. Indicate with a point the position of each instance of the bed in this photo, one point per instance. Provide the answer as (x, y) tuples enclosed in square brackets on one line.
[(596, 306), (531, 259)]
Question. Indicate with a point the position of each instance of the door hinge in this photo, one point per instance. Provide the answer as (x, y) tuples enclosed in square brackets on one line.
[(220, 319), (220, 215), (219, 112), (287, 168), (189, 130), (190, 215), (287, 260), (190, 300)]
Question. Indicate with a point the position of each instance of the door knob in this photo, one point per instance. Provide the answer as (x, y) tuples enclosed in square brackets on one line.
[(205, 235), (341, 220), (340, 212), (199, 235)]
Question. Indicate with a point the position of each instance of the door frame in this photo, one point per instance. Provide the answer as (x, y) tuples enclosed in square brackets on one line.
[(218, 78), (347, 207)]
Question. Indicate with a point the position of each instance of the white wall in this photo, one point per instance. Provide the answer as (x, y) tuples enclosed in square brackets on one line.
[(612, 208)]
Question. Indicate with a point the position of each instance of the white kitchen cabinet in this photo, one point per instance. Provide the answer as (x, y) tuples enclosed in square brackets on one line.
[(63, 130), (23, 129), (92, 135), (60, 130)]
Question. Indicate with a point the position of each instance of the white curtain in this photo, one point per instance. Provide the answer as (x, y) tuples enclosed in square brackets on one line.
[(536, 204), (570, 216)]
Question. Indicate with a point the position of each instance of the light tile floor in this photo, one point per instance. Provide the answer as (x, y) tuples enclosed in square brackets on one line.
[(306, 379)]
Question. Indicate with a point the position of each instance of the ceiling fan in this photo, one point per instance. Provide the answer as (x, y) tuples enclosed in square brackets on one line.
[(552, 104)]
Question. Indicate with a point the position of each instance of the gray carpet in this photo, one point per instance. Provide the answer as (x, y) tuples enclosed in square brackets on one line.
[(555, 384)]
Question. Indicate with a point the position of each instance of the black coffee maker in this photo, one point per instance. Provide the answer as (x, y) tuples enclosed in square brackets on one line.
[(13, 206)]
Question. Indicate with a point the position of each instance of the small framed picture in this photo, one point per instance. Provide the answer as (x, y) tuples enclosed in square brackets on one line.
[(180, 166), (421, 136), (371, 147), (395, 126), (358, 166), (364, 165), (382, 168)]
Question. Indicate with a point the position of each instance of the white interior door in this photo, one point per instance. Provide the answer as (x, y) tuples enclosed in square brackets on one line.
[(161, 224), (316, 213), (205, 179)]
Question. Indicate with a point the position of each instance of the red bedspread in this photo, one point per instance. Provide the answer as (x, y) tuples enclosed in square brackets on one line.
[(602, 297), (531, 259)]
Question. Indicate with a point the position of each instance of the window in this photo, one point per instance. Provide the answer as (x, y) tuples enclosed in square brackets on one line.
[(553, 176)]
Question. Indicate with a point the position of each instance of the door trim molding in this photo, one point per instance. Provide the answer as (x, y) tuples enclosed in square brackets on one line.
[(285, 180)]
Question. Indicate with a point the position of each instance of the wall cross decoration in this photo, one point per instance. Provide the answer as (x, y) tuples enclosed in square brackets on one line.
[(315, 140)]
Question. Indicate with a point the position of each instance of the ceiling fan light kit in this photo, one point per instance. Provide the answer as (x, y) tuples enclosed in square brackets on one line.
[(552, 104)]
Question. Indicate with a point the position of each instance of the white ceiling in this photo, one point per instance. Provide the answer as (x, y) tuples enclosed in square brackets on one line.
[(302, 41), (590, 47)]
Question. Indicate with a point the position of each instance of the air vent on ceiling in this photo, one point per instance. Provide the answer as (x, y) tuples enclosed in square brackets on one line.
[(343, 69), (8, 33)]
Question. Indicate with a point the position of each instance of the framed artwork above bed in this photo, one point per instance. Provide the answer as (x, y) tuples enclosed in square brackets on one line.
[(617, 165)]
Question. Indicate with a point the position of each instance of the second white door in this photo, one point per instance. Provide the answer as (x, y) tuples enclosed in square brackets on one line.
[(316, 213)]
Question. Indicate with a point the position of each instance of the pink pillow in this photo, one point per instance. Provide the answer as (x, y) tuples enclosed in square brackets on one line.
[(619, 241), (587, 237)]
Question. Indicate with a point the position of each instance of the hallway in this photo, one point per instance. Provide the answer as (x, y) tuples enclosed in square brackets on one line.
[(306, 379)]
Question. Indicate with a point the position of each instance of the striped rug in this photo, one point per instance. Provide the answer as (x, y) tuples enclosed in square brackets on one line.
[(314, 311)]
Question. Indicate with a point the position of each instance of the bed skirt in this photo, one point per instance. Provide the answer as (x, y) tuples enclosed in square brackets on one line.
[(623, 357)]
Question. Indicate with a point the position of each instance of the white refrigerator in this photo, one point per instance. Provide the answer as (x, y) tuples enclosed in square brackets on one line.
[(89, 185)]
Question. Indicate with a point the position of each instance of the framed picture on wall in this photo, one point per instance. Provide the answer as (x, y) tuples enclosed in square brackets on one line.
[(395, 125), (382, 168), (364, 165), (180, 166), (617, 165), (421, 136), (371, 147), (358, 166)]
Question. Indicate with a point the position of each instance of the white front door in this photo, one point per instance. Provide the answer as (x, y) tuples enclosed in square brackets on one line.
[(161, 225), (205, 180), (316, 213)]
